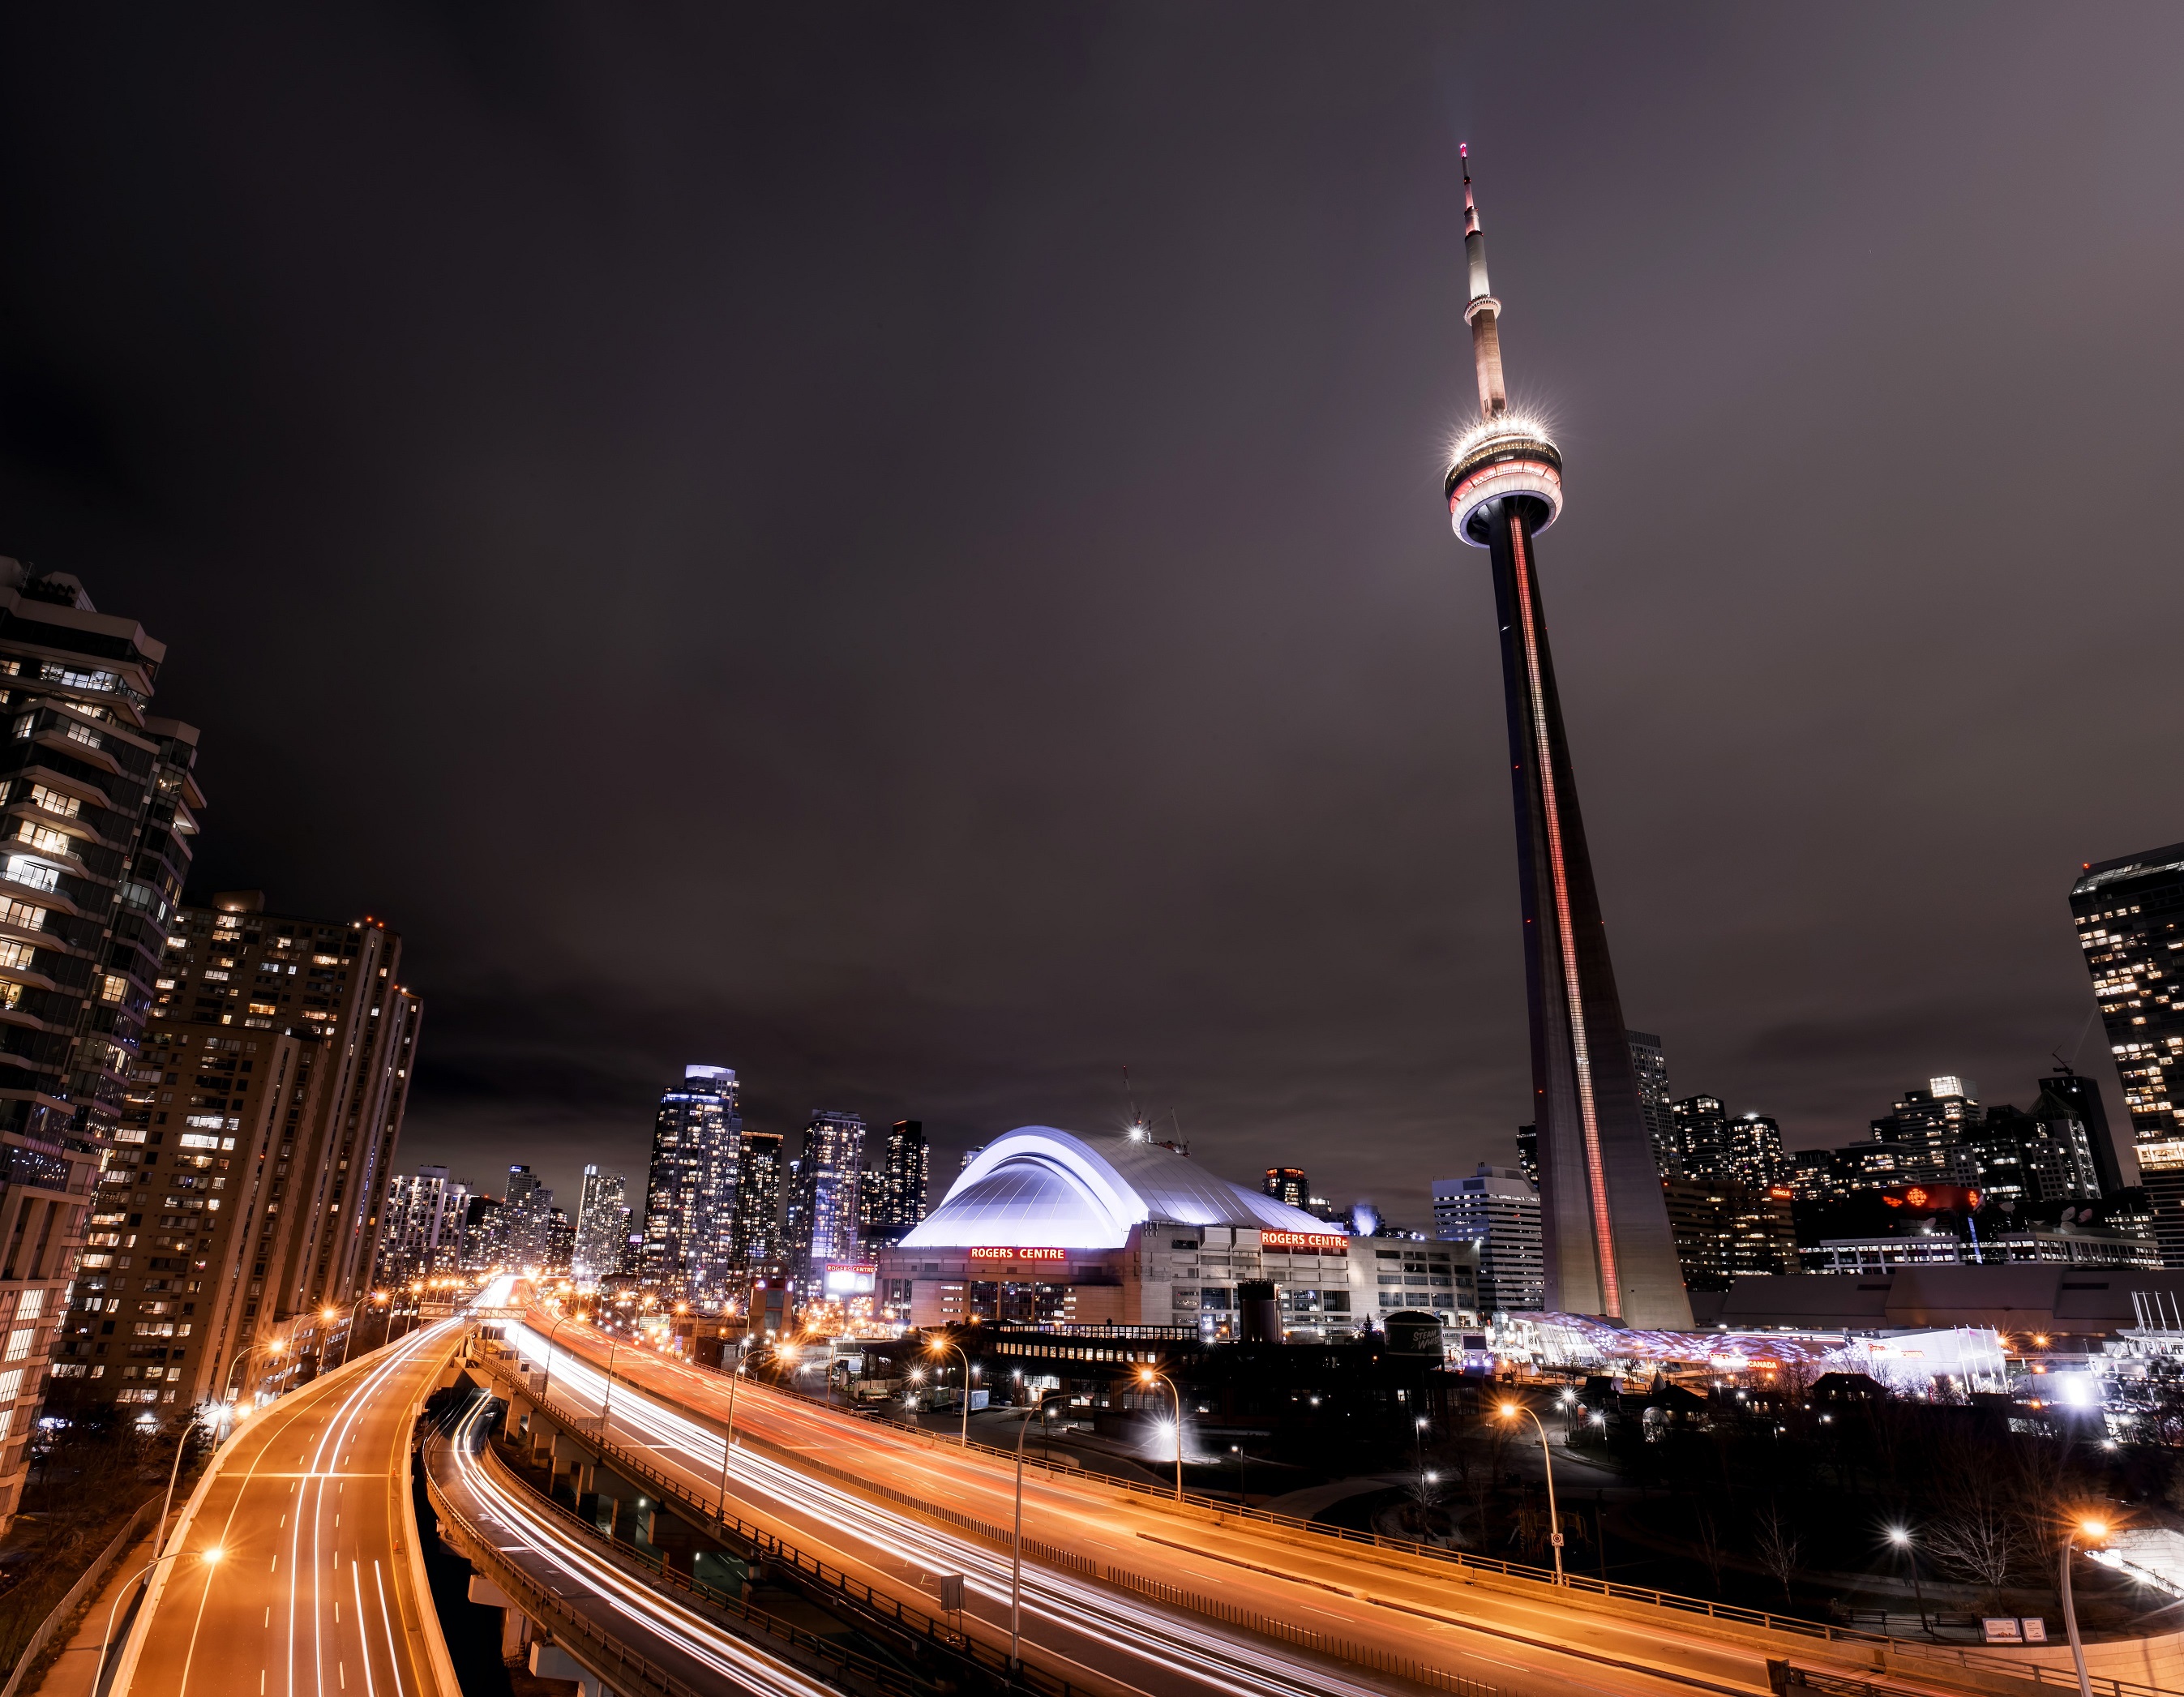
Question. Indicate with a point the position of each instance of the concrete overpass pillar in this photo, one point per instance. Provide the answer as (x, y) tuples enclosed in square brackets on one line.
[(514, 1624), (550, 1661)]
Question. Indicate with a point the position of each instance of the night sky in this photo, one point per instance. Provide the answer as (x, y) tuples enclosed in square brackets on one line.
[(900, 549)]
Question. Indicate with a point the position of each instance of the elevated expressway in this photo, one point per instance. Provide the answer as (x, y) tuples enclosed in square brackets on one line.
[(1130, 1592), (293, 1571)]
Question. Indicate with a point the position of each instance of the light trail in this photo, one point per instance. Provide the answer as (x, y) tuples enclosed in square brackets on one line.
[(649, 1610), (1215, 1659)]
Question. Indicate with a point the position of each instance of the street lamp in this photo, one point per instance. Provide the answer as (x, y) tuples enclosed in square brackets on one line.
[(1016, 1559), (1146, 1376), (1510, 1411), (728, 1442), (552, 1332), (940, 1347), (1901, 1537), (2094, 1530)]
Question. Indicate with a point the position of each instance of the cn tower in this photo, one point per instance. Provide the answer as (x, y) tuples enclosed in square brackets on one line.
[(1609, 1250)]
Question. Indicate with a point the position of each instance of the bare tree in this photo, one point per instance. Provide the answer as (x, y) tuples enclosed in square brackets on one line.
[(1712, 1551), (1981, 1542), (1778, 1545)]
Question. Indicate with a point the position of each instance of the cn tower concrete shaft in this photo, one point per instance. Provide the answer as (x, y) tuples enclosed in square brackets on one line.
[(1609, 1248)]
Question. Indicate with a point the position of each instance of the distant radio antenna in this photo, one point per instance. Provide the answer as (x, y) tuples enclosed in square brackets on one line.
[(1140, 1131)]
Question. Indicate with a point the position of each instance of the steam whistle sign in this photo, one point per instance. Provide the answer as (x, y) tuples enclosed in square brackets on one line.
[(1006, 1254)]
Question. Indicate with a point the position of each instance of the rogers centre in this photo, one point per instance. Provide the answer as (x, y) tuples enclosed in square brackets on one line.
[(1047, 1227)]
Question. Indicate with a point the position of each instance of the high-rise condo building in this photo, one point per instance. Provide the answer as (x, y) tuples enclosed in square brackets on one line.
[(1723, 1228), (690, 1186), (485, 1238), (757, 1243), (1752, 1150), (1651, 1062), (1608, 1247), (100, 817), (1498, 1210), (602, 1226), (560, 1241), (423, 1234), (1289, 1185), (823, 1189), (236, 972), (2128, 913), (894, 1186), (526, 1213)]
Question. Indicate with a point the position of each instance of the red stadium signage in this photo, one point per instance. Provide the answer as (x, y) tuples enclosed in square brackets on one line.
[(1326, 1244), (1007, 1255), (1933, 1199)]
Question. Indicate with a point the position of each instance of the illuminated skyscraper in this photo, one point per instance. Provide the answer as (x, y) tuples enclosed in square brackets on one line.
[(1289, 1185), (690, 1186), (825, 1182), (1609, 1250), (2130, 914), (602, 1226)]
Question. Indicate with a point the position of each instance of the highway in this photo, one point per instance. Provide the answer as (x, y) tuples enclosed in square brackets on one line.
[(290, 1573), (1092, 1633), (678, 1640)]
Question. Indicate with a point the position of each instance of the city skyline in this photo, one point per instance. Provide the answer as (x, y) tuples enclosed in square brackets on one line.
[(1184, 757)]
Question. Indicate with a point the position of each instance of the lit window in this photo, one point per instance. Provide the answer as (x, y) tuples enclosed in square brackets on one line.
[(68, 806), (84, 734), (114, 988), (18, 1343)]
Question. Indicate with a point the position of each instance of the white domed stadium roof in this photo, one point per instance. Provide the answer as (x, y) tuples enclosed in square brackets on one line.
[(1055, 1189)]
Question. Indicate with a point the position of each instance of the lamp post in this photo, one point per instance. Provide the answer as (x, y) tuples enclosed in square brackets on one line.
[(2092, 1529), (182, 1442), (1509, 1411), (552, 1332), (941, 1346), (273, 1348), (728, 1442), (1016, 1559), (106, 1642), (1901, 1537), (1147, 1376)]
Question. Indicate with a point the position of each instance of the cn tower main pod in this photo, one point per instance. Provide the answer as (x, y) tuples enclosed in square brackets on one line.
[(1609, 1249)]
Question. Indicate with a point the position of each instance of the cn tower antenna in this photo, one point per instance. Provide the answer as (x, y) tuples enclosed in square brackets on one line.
[(1481, 310)]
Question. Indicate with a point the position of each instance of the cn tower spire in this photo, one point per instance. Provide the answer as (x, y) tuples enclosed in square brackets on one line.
[(1482, 310)]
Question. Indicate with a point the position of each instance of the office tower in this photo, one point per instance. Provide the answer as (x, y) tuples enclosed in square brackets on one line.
[(1289, 1185), (757, 1243), (1751, 1150), (894, 1186), (527, 1213), (1652, 1062), (823, 1186), (1498, 1210), (1724, 1228), (2127, 912), (234, 969), (2082, 1096), (423, 1228), (100, 814), (485, 1238), (1609, 1250), (690, 1186), (1527, 1154), (1934, 1126), (2043, 1156), (1699, 1142), (602, 1226)]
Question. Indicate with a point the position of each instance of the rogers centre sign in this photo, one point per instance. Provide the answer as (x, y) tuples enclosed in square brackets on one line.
[(998, 1255), (1325, 1244)]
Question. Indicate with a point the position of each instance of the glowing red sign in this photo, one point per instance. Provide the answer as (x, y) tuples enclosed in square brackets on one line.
[(1325, 1242), (1002, 1254)]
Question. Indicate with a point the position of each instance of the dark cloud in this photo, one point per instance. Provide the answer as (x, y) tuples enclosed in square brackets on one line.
[(901, 551)]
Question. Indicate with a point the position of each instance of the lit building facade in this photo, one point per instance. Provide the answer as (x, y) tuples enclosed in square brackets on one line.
[(758, 1242), (1651, 1062), (602, 1226), (1935, 1128), (1724, 1228), (826, 1185), (894, 1185), (422, 1236), (527, 1214), (1289, 1185), (1608, 1248), (1496, 1210), (2127, 912), (690, 1185), (335, 986), (100, 816), (1052, 1228)]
